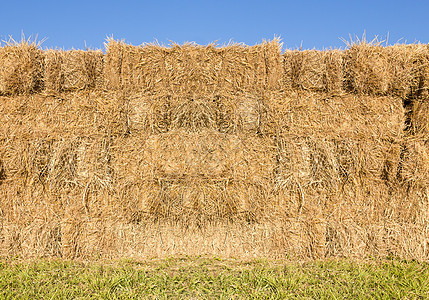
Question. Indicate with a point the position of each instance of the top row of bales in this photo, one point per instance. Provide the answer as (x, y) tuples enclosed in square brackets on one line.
[(363, 68), (193, 68)]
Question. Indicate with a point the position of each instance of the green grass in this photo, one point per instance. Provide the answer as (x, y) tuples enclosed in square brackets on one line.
[(198, 277)]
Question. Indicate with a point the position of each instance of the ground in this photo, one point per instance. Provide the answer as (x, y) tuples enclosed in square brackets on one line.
[(202, 278)]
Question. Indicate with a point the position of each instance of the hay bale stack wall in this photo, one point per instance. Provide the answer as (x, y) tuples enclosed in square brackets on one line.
[(233, 151)]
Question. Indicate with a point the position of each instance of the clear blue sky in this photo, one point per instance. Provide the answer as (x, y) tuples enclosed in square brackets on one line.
[(312, 24)]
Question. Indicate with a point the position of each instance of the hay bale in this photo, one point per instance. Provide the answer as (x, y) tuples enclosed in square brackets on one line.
[(419, 59), (80, 113), (53, 77), (366, 69), (313, 70), (73, 70), (21, 68), (113, 64), (420, 118), (405, 63), (127, 67), (202, 145), (190, 67), (266, 60), (243, 113), (398, 70), (415, 166), (81, 162), (82, 69)]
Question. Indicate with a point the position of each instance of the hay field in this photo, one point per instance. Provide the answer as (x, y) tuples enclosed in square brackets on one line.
[(232, 151)]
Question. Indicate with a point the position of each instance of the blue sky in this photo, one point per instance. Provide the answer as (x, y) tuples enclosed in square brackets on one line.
[(312, 24)]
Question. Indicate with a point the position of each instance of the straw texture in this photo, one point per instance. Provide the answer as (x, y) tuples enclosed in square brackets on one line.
[(237, 151)]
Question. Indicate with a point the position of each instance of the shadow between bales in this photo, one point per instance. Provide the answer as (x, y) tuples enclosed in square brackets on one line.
[(2, 173)]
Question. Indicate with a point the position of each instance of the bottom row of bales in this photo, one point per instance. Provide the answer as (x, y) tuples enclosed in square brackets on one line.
[(298, 174), (359, 226)]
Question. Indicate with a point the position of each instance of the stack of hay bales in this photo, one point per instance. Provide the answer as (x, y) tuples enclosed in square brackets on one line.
[(56, 155), (193, 153), (241, 150), (338, 155)]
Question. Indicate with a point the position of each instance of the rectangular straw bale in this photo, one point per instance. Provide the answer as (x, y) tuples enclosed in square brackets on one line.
[(86, 113), (266, 62), (21, 68), (73, 70), (135, 67), (131, 78), (401, 69), (180, 70), (80, 162), (406, 67), (81, 70), (193, 68), (58, 164), (53, 77), (313, 70), (420, 84), (80, 113), (190, 67), (420, 118), (113, 64), (251, 68), (398, 70), (366, 69), (415, 166), (319, 114)]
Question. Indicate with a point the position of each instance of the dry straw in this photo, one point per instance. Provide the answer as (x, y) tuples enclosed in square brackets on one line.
[(232, 151), (313, 70), (73, 70), (370, 68), (21, 67), (191, 68)]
